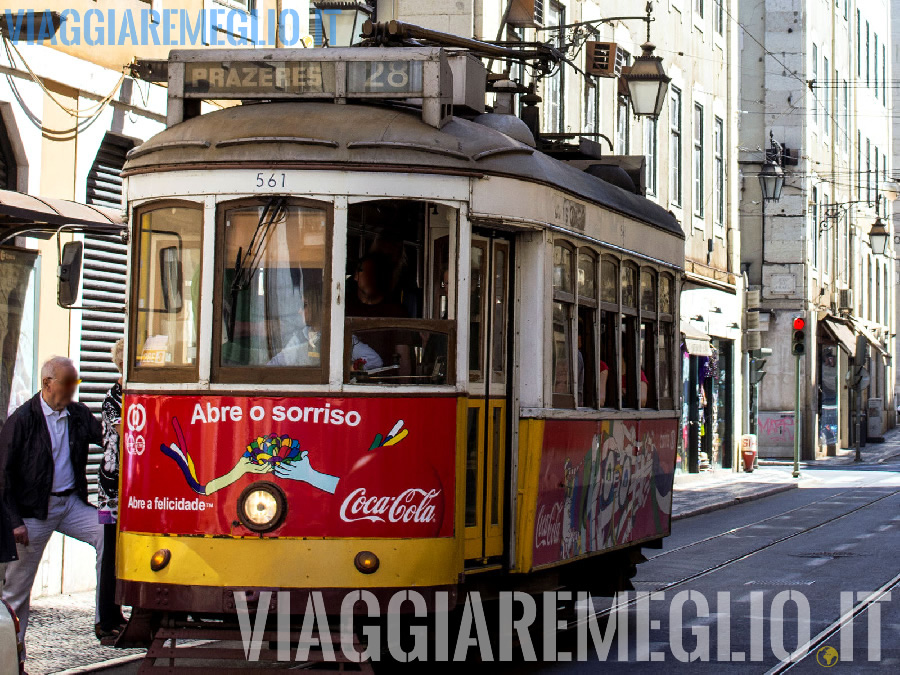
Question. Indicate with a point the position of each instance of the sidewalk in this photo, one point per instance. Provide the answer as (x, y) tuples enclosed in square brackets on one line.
[(61, 635), (697, 493)]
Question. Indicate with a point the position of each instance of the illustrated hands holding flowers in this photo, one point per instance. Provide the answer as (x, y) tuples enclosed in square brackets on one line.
[(300, 469)]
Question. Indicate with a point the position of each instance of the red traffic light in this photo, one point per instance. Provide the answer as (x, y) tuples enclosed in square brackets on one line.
[(799, 323)]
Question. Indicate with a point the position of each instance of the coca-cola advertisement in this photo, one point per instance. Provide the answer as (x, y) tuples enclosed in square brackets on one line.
[(602, 484), (354, 467)]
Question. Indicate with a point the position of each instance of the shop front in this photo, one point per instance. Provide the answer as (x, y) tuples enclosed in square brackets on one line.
[(710, 351)]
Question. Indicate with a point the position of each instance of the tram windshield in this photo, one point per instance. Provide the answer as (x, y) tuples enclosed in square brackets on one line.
[(273, 285), (397, 309)]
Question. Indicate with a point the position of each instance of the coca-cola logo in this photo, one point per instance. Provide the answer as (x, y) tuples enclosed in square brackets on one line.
[(548, 528), (413, 505)]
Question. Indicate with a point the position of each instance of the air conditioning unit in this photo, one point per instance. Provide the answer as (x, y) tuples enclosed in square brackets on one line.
[(602, 59), (526, 13), (845, 300)]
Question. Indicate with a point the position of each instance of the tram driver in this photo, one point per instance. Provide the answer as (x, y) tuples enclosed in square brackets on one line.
[(371, 299)]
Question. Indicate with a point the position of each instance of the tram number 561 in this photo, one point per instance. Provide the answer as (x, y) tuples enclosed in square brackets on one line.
[(274, 180)]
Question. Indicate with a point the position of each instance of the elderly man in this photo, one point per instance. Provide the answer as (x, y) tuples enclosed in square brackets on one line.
[(43, 455)]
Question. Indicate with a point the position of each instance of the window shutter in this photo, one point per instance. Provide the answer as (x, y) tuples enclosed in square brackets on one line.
[(104, 278)]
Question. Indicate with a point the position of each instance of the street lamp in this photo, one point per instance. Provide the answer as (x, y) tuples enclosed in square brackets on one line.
[(647, 82), (341, 21), (890, 189), (878, 237), (771, 181)]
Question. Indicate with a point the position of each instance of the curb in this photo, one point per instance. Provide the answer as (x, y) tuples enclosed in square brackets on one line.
[(732, 501)]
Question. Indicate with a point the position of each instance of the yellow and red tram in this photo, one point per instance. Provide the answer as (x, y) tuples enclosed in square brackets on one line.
[(375, 345)]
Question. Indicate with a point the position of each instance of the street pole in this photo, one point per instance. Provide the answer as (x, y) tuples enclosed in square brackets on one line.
[(797, 425), (858, 423)]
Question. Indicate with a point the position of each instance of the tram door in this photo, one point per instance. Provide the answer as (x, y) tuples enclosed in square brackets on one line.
[(486, 432)]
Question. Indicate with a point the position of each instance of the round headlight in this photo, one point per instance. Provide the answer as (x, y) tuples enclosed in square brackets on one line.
[(262, 507)]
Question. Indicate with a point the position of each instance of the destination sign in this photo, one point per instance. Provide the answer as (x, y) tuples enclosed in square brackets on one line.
[(257, 79), (388, 77)]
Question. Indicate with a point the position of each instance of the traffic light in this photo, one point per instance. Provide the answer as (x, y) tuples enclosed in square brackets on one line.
[(798, 341), (758, 363)]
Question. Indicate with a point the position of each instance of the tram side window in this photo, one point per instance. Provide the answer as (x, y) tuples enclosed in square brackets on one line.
[(648, 338), (388, 338), (633, 384), (609, 332), (166, 307), (587, 332), (273, 292), (666, 340), (563, 306)]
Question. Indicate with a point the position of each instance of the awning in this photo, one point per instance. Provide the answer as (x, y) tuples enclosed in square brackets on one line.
[(43, 216), (696, 341), (842, 333), (870, 336)]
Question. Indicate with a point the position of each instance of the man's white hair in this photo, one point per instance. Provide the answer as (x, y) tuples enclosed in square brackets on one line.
[(54, 364)]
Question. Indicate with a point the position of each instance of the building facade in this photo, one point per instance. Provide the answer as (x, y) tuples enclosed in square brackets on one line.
[(816, 97)]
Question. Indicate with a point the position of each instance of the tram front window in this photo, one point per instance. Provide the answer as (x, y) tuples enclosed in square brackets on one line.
[(168, 291), (273, 290), (393, 284)]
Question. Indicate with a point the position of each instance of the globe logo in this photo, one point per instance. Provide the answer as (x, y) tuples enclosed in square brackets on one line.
[(827, 656)]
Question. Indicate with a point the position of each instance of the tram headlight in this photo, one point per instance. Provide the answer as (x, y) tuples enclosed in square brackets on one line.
[(160, 559), (366, 562), (262, 507)]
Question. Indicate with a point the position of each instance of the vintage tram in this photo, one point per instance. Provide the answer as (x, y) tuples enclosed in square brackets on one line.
[(375, 344)]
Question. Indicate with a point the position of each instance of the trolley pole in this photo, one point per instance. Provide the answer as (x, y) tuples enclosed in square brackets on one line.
[(797, 425)]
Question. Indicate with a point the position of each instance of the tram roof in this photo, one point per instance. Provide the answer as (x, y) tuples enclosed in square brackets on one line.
[(371, 137)]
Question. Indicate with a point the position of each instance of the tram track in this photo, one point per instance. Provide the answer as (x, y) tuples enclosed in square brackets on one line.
[(734, 530), (731, 561), (811, 648)]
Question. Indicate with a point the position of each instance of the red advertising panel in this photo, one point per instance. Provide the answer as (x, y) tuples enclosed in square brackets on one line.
[(352, 467), (602, 484)]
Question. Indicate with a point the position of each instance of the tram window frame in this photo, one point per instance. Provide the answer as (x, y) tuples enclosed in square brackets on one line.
[(629, 326), (261, 374), (666, 341), (587, 311), (609, 332), (649, 326), (563, 299), (161, 374)]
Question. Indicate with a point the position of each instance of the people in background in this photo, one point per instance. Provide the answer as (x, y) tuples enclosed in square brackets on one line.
[(43, 458), (111, 619)]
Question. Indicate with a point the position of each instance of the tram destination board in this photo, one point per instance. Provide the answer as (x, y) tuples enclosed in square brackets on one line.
[(255, 78), (272, 79)]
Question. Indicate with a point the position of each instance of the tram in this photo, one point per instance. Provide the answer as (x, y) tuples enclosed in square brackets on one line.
[(377, 340)]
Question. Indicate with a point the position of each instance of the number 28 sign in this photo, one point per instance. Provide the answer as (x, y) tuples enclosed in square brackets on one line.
[(389, 77)]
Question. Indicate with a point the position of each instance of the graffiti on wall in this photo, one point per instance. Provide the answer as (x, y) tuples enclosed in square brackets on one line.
[(776, 429), (603, 484)]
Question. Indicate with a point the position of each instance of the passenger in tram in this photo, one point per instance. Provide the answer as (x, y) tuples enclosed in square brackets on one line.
[(604, 374)]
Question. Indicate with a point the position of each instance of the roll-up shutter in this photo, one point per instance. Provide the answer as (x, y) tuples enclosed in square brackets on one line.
[(103, 286)]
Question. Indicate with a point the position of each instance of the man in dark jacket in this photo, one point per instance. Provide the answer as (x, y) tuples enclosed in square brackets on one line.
[(43, 457)]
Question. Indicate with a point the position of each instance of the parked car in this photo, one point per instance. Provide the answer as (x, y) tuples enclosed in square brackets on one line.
[(10, 647)]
